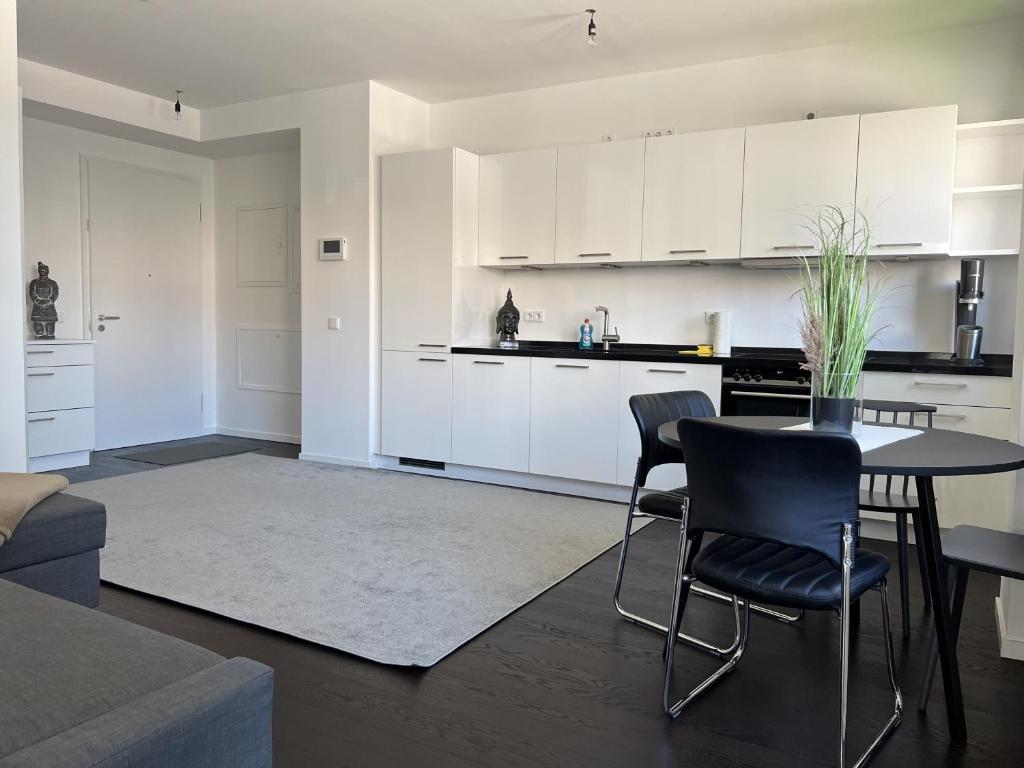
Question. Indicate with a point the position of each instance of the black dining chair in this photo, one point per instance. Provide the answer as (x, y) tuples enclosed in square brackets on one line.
[(967, 548), (881, 497), (651, 411), (784, 506)]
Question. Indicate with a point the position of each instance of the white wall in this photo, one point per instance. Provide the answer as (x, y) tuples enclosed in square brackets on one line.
[(243, 181), (980, 68), (12, 284), (53, 221)]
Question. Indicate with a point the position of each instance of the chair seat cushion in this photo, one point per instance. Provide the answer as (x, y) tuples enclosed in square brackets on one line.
[(664, 504), (780, 575), (880, 501)]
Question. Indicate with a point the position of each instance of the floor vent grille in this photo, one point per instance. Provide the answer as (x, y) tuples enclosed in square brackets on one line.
[(421, 463)]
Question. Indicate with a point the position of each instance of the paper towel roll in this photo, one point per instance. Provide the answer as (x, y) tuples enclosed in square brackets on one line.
[(722, 339)]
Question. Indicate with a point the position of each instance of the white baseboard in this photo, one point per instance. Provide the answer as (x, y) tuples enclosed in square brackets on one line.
[(340, 461), (254, 435), (1009, 647)]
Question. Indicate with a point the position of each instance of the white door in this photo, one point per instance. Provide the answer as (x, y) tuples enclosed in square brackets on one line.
[(416, 405), (143, 231), (693, 194), (517, 208), (790, 170), (600, 201), (491, 413)]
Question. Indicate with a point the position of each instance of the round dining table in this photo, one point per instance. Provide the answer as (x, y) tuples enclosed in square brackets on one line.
[(933, 453)]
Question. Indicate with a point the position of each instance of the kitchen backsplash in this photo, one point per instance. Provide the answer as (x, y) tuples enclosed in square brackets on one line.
[(665, 305)]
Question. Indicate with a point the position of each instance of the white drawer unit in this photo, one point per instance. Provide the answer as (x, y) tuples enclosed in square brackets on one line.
[(637, 378), (986, 391), (59, 395), (416, 405), (491, 414), (574, 418)]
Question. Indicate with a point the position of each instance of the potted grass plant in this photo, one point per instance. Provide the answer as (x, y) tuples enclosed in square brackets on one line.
[(839, 301)]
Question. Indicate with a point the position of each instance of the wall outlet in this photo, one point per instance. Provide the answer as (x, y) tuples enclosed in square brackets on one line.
[(534, 315), (653, 133)]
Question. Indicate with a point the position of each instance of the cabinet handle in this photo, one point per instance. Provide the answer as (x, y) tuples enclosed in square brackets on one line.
[(44, 418), (488, 362), (792, 247), (39, 352), (663, 370), (689, 250), (588, 255), (950, 384), (952, 416), (47, 373), (507, 258), (433, 360), (433, 346), (897, 245), (567, 365)]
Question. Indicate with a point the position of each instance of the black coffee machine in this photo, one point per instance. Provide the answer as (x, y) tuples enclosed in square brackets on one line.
[(969, 293)]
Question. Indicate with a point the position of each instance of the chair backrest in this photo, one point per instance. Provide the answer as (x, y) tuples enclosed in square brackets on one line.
[(653, 410), (791, 487)]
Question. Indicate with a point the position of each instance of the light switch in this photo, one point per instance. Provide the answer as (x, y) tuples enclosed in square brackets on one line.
[(334, 323)]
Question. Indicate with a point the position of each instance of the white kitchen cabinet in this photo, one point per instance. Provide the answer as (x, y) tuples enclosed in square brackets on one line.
[(426, 220), (517, 208), (491, 414), (693, 196), (599, 202), (636, 378), (574, 418), (905, 171), (790, 170), (416, 405)]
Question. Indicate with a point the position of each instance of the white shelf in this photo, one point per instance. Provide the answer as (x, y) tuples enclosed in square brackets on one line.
[(989, 190), (990, 253), (990, 128)]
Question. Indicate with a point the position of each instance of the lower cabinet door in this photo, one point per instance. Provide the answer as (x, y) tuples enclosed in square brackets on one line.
[(491, 421), (574, 418), (416, 405), (637, 378)]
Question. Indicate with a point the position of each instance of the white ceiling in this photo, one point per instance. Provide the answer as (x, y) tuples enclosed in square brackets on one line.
[(227, 51)]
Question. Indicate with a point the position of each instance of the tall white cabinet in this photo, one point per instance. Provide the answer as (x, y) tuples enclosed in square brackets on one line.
[(905, 171), (790, 169), (517, 208)]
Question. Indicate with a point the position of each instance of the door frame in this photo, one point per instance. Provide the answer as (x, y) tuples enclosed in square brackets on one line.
[(84, 221)]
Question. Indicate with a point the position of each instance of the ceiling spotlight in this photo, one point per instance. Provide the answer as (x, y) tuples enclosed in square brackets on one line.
[(177, 105), (591, 29)]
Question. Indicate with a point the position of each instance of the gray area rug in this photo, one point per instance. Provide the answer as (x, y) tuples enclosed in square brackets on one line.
[(182, 454), (398, 568)]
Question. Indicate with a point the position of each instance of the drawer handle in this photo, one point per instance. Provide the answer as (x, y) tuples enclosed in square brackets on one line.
[(488, 362), (898, 245), (43, 418), (951, 416), (46, 373), (664, 370), (589, 255), (689, 250), (433, 360), (433, 346), (567, 365), (40, 352), (509, 258), (950, 384)]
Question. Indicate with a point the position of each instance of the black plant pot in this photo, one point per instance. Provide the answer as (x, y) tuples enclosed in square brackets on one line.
[(832, 414)]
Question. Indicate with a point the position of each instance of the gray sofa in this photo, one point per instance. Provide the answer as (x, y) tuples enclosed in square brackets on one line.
[(79, 687)]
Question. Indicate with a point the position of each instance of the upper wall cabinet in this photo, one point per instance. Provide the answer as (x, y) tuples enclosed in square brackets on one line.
[(905, 179), (517, 208), (693, 195), (428, 222), (600, 196), (790, 170)]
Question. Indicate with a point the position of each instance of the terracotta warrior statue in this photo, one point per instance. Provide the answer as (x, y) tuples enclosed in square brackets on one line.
[(43, 293)]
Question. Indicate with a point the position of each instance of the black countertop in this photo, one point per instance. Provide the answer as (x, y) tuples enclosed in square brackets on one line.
[(901, 362)]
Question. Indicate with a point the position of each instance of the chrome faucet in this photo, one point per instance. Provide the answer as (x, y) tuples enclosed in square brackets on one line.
[(607, 338)]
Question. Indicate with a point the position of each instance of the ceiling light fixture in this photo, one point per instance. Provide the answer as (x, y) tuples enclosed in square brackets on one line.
[(177, 105), (591, 29)]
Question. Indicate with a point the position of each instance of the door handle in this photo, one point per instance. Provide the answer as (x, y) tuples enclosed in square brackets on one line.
[(104, 318)]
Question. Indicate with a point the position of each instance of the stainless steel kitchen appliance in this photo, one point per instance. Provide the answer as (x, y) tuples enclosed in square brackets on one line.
[(969, 293)]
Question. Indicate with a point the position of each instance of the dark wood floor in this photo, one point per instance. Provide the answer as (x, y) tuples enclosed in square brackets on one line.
[(565, 682)]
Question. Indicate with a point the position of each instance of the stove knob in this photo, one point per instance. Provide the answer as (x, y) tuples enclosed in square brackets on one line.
[(736, 377), (746, 377), (757, 377)]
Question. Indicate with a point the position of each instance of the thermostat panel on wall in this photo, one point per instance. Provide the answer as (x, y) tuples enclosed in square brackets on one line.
[(333, 249)]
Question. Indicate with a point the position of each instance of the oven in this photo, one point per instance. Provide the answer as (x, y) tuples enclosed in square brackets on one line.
[(780, 390)]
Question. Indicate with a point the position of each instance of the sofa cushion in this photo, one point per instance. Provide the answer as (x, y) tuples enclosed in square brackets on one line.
[(59, 526), (64, 665)]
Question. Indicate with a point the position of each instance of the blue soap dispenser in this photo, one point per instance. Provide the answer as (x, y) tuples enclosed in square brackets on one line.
[(586, 334)]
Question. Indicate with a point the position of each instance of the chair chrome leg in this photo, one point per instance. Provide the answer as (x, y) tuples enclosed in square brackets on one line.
[(785, 618)]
